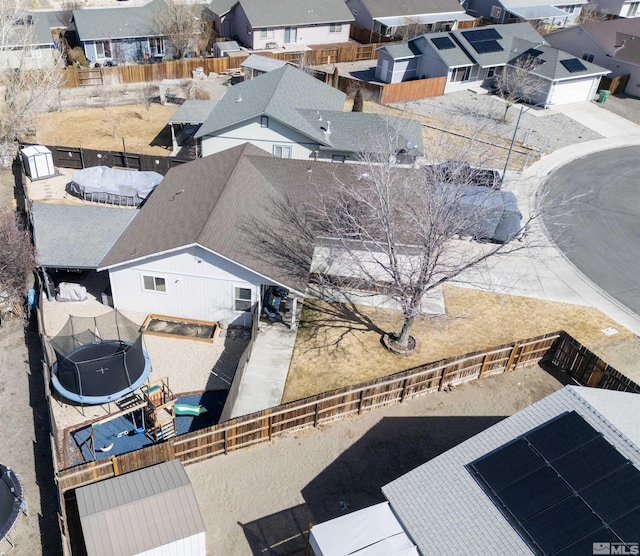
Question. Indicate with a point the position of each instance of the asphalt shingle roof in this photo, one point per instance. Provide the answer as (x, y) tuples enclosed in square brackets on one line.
[(445, 511), (96, 229), (390, 8), (262, 63), (192, 112), (117, 23), (38, 32), (611, 34), (221, 7), (280, 13), (277, 94), (551, 66)]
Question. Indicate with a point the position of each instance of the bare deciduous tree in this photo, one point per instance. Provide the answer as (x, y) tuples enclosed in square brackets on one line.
[(25, 80), (17, 258), (180, 23), (589, 13), (517, 81)]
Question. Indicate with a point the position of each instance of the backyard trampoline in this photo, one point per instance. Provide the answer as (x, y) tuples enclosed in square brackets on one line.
[(11, 501), (99, 359)]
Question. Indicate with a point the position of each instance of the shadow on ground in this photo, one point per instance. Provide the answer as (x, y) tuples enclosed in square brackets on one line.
[(49, 532), (354, 480)]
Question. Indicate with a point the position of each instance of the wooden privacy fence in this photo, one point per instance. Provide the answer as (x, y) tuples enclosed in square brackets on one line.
[(315, 410), (183, 69), (614, 84), (412, 90)]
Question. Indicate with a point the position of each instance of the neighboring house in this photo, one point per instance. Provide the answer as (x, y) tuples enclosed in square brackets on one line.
[(293, 115), (260, 24), (559, 477), (471, 58), (256, 65), (621, 8), (29, 44), (122, 34), (152, 511), (404, 18), (190, 253), (613, 44), (512, 11)]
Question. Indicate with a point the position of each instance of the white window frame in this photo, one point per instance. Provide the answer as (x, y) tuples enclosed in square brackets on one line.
[(154, 43), (491, 71), (335, 28), (338, 158), (106, 50), (154, 277), (632, 10), (267, 33), (465, 75), (288, 33), (282, 148), (264, 121), (496, 12), (588, 57), (236, 298)]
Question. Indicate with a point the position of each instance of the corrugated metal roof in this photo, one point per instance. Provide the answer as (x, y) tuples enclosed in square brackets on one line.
[(139, 511), (445, 511), (96, 228)]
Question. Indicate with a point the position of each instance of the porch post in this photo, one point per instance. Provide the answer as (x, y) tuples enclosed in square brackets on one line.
[(294, 305)]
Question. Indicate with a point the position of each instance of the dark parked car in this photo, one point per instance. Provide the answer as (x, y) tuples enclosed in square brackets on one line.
[(461, 173)]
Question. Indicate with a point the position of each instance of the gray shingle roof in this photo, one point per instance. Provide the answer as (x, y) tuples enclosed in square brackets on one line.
[(221, 7), (193, 112), (610, 34), (278, 13), (262, 63), (139, 511), (551, 66), (402, 50), (38, 32), (117, 23), (365, 132), (390, 8), (445, 511), (277, 94), (96, 228)]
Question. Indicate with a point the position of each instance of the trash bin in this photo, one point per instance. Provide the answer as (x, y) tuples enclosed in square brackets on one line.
[(603, 95)]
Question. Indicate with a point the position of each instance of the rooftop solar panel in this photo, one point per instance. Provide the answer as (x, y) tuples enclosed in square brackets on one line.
[(616, 494), (560, 436), (573, 65), (562, 482), (443, 43), (562, 525), (588, 545), (589, 463), (507, 465), (484, 47), (481, 35), (541, 489)]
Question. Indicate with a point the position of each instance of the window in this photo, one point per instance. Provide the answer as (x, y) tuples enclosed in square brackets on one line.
[(588, 57), (633, 9), (491, 72), (249, 30), (571, 8), (154, 284), (103, 50), (338, 158), (460, 74), (264, 121), (290, 35), (266, 33), (282, 151), (496, 12), (242, 299), (156, 45), (335, 28)]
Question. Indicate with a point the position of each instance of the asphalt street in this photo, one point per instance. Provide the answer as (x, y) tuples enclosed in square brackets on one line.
[(592, 211)]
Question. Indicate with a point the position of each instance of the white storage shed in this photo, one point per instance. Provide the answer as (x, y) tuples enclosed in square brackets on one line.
[(38, 162)]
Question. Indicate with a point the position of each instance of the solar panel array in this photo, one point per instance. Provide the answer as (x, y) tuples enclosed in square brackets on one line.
[(443, 43), (484, 40), (565, 487), (573, 65)]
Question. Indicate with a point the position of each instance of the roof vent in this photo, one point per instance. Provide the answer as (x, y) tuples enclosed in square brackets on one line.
[(328, 130), (318, 115), (239, 99)]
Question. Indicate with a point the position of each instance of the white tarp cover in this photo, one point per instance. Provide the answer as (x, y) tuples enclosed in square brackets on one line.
[(374, 531), (105, 184), (71, 292)]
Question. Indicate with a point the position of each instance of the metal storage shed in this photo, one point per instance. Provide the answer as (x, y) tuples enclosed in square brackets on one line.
[(152, 511), (38, 162)]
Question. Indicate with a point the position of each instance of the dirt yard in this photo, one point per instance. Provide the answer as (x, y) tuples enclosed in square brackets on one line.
[(261, 500), (106, 128), (340, 345)]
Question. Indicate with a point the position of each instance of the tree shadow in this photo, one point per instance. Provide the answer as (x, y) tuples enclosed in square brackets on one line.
[(393, 447), (49, 531)]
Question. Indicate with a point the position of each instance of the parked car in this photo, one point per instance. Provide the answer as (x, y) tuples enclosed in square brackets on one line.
[(462, 173)]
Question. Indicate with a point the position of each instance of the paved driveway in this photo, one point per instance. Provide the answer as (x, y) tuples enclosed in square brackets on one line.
[(601, 233)]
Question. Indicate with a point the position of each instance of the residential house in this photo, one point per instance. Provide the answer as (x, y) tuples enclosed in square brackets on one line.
[(290, 114), (28, 44), (121, 34), (545, 12), (260, 24), (471, 58), (613, 44), (559, 477), (404, 19), (619, 8)]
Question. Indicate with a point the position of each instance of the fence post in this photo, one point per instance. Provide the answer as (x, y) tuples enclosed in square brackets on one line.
[(361, 402), (485, 360), (440, 386), (511, 357), (404, 389), (316, 417), (114, 464)]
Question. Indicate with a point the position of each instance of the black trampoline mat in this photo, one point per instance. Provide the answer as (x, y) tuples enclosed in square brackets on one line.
[(9, 505)]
